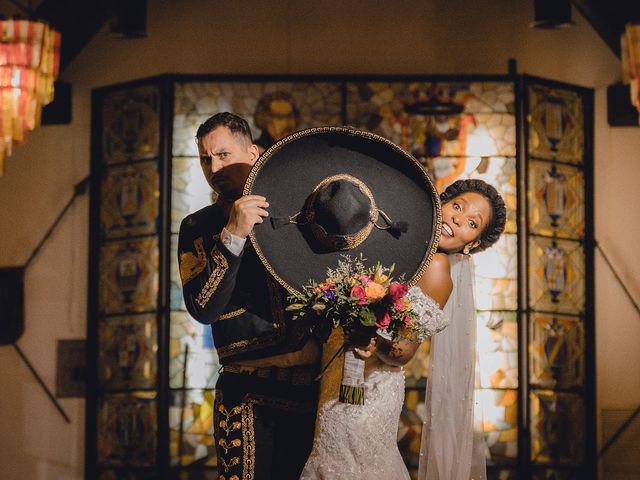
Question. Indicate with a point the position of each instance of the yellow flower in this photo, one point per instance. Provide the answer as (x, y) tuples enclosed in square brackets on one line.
[(380, 278), (374, 291)]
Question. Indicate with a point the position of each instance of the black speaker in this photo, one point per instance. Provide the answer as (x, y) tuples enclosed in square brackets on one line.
[(11, 304), (58, 112), (620, 112), (130, 20)]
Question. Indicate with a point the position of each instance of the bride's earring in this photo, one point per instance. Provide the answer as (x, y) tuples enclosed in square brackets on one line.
[(466, 250)]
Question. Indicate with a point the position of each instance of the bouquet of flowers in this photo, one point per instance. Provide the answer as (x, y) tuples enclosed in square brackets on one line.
[(364, 301)]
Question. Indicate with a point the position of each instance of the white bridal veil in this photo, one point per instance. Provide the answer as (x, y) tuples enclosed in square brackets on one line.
[(452, 442)]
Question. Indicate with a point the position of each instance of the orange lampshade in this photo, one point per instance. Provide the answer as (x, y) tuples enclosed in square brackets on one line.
[(630, 56), (29, 63)]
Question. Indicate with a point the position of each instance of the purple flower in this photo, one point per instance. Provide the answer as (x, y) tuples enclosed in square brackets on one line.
[(330, 295)]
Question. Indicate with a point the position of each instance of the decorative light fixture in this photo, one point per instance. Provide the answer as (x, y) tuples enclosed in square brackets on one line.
[(630, 56), (29, 63)]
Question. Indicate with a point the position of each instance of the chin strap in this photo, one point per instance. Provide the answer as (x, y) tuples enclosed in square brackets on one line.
[(394, 228)]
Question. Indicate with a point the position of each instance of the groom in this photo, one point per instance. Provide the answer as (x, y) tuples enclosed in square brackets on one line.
[(265, 396)]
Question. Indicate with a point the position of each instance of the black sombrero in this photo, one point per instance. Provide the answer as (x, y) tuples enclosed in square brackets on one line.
[(335, 191)]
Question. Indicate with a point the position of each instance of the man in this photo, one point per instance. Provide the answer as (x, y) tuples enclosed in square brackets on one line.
[(265, 396)]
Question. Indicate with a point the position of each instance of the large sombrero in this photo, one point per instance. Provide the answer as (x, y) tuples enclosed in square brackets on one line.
[(335, 191)]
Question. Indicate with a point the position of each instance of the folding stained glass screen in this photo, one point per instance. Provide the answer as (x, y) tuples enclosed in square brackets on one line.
[(128, 352), (557, 427), (129, 276), (127, 429), (130, 200), (556, 192), (557, 224), (125, 406), (131, 125), (156, 367), (556, 124), (557, 351), (556, 274)]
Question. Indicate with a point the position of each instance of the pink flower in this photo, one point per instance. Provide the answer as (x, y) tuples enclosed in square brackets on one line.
[(383, 320), (359, 293), (398, 290), (406, 320), (398, 303), (328, 286), (364, 279)]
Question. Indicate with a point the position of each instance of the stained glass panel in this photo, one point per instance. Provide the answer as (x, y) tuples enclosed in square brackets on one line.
[(189, 190), (556, 348), (128, 276), (191, 343), (410, 429), (497, 344), (191, 428), (131, 124), (556, 275), (437, 119), (499, 410), (496, 271), (556, 124), (557, 427), (128, 352), (556, 200), (127, 429), (273, 109), (130, 197)]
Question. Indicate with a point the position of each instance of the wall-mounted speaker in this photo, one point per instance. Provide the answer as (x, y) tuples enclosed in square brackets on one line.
[(11, 304), (620, 112), (58, 112)]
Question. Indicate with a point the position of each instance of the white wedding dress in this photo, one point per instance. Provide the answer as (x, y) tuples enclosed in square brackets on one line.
[(360, 441)]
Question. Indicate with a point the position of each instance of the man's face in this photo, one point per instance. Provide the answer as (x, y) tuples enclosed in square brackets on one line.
[(226, 158)]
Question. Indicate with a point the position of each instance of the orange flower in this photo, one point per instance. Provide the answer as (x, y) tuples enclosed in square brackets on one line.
[(374, 291)]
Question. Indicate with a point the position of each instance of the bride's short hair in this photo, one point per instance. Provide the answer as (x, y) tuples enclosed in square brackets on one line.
[(495, 227)]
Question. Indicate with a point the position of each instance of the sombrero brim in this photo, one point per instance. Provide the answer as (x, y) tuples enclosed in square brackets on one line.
[(288, 172)]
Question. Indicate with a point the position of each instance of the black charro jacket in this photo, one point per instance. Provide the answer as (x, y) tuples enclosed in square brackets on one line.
[(237, 296)]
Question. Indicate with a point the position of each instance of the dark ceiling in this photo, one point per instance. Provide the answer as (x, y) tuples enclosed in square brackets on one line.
[(80, 20), (609, 17)]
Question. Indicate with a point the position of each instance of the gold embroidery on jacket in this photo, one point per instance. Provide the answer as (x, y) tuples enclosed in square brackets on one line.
[(221, 266), (231, 314), (190, 265), (277, 311)]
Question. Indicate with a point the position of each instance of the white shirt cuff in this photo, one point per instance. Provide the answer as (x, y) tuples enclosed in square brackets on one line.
[(232, 242)]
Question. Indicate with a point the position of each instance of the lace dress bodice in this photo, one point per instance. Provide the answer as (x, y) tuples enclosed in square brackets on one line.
[(360, 441)]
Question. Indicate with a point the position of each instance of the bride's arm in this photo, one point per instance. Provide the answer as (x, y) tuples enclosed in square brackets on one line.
[(435, 283)]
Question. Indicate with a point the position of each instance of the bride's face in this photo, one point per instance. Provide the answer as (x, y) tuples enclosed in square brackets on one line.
[(464, 218)]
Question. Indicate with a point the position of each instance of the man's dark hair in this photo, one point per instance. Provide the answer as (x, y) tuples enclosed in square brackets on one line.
[(233, 122), (498, 218)]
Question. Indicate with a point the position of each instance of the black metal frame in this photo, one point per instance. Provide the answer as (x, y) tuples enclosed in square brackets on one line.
[(166, 84)]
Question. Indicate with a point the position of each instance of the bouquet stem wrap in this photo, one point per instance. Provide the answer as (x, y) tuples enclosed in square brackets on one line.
[(352, 386)]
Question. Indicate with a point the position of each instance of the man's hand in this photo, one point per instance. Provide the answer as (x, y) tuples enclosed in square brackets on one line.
[(246, 212)]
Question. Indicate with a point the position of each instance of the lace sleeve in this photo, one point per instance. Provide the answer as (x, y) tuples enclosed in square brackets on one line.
[(431, 319)]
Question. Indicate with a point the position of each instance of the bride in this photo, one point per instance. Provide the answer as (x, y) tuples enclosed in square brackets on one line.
[(359, 441)]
